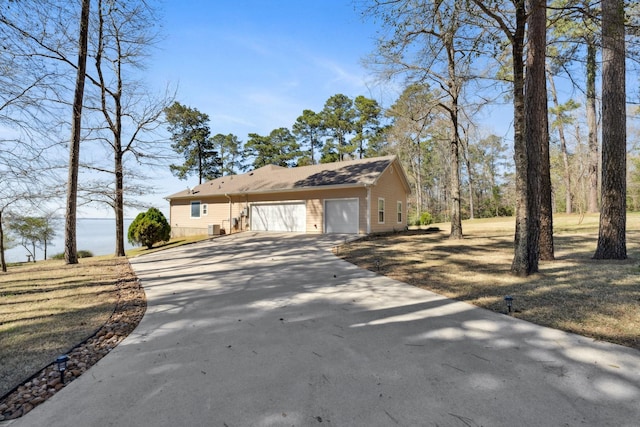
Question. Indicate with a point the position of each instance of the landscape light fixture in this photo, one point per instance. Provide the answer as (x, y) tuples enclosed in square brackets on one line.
[(61, 363), (509, 300), (378, 264)]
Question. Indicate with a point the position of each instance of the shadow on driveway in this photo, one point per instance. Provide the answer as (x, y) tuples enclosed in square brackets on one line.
[(274, 330)]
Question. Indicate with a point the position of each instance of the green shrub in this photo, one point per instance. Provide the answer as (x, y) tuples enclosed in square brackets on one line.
[(81, 254), (425, 218), (85, 254), (148, 228)]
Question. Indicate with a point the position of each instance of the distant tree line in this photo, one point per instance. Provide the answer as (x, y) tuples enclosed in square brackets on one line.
[(345, 129), (357, 128)]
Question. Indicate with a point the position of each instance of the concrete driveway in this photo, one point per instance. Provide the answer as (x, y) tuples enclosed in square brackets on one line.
[(273, 330)]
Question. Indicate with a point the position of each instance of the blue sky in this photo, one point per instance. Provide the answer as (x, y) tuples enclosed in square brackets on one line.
[(255, 65)]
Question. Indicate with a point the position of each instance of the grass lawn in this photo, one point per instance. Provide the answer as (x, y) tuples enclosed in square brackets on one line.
[(595, 298), (48, 307)]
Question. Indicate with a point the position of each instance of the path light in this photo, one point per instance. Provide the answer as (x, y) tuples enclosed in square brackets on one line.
[(61, 362), (378, 264), (509, 300)]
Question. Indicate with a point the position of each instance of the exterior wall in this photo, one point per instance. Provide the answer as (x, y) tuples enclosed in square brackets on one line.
[(217, 214), (229, 215), (218, 210), (390, 188)]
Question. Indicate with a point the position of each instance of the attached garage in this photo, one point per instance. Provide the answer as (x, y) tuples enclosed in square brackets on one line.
[(283, 217), (360, 196), (341, 216)]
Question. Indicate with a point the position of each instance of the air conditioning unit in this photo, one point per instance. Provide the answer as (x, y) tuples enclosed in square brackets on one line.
[(214, 229)]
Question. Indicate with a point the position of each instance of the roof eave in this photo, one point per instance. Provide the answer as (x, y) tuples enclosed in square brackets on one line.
[(273, 191)]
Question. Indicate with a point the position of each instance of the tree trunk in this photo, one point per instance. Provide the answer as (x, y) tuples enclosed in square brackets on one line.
[(465, 154), (119, 207), (540, 119), (119, 169), (456, 219), (454, 85), (70, 243), (3, 262), (592, 124), (524, 241), (612, 231), (537, 131)]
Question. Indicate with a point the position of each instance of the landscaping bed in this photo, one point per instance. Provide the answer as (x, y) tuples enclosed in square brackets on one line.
[(46, 309)]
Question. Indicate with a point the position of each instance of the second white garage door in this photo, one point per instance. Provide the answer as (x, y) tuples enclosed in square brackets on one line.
[(341, 216), (287, 217)]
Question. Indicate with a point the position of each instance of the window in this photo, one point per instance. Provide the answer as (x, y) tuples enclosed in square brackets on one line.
[(381, 211), (399, 212), (195, 209), (204, 209)]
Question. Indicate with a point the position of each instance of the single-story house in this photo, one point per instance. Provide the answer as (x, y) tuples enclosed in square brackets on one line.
[(356, 197)]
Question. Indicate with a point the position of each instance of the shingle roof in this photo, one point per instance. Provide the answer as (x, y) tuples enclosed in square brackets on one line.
[(271, 178)]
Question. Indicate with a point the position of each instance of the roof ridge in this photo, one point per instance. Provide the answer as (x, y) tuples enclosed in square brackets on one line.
[(356, 172)]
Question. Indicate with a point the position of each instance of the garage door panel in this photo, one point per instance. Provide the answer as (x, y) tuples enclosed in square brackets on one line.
[(341, 216), (283, 217)]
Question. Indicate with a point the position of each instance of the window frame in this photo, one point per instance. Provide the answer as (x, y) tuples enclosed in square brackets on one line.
[(204, 209), (192, 205), (381, 209), (399, 211)]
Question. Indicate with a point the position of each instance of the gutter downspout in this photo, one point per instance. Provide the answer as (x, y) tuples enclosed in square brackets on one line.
[(368, 187), (230, 204)]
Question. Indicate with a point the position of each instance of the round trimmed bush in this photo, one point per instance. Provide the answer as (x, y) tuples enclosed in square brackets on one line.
[(148, 228)]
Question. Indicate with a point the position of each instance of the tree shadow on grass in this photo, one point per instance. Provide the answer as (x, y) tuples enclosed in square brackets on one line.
[(573, 292)]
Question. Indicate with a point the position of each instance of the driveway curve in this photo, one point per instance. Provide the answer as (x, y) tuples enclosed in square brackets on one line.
[(274, 330)]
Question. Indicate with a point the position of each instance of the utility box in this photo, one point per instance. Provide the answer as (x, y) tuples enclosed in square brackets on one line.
[(214, 229)]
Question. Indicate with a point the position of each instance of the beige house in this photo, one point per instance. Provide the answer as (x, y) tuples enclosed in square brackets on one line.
[(355, 197)]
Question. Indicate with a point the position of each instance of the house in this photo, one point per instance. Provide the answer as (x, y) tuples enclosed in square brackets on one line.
[(356, 197)]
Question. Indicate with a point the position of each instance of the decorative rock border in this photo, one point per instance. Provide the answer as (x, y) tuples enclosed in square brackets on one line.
[(129, 310)]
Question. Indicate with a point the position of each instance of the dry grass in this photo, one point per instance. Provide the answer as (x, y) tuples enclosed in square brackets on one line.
[(167, 245), (599, 299), (48, 307)]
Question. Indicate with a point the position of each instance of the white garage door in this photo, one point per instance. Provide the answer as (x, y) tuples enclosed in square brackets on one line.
[(279, 217), (341, 216)]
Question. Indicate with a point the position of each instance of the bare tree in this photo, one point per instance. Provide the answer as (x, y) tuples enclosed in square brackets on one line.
[(123, 32), (20, 187), (129, 115), (26, 86), (433, 42), (413, 114), (70, 242)]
